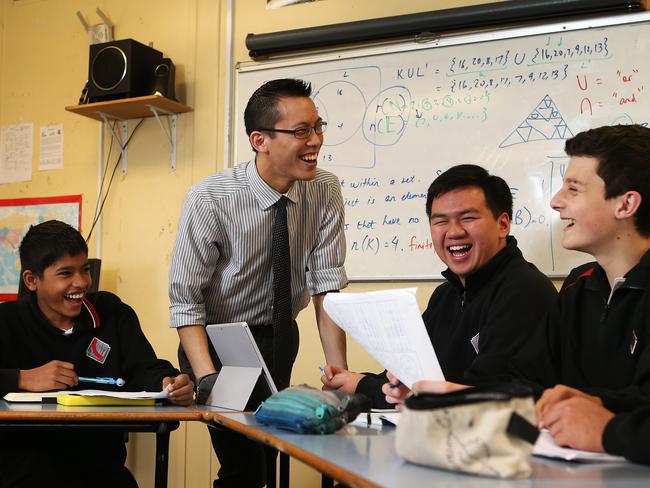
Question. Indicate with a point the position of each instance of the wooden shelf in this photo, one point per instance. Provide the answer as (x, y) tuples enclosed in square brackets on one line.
[(129, 108), (135, 108)]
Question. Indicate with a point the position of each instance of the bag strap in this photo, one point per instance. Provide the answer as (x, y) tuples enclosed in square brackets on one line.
[(495, 392), (522, 428)]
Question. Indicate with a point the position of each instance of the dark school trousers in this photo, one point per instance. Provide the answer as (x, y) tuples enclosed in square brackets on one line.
[(64, 459), (244, 462)]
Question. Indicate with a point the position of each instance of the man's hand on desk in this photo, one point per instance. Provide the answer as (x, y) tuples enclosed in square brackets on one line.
[(335, 378), (559, 393), (55, 375), (180, 389), (578, 423)]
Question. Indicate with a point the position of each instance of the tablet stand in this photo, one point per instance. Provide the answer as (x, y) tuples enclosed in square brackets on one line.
[(233, 387)]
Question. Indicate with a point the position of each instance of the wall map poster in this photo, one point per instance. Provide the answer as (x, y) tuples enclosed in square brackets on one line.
[(16, 216)]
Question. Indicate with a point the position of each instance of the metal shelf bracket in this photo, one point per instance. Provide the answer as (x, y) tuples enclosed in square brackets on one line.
[(171, 134), (121, 139)]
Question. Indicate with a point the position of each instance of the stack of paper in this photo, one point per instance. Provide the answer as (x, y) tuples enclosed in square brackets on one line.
[(377, 418), (388, 325), (89, 397), (546, 447), (30, 397)]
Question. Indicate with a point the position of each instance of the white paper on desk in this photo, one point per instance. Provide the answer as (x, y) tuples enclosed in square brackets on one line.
[(547, 447), (29, 396), (36, 397), (377, 418), (390, 417), (133, 395), (369, 420), (388, 325)]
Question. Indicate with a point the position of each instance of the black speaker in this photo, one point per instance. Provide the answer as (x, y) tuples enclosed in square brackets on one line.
[(121, 69), (163, 79)]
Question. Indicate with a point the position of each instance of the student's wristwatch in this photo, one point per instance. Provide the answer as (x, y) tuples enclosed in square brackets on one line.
[(204, 386)]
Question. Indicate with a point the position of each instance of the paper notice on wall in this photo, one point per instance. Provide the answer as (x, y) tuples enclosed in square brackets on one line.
[(51, 154), (16, 153)]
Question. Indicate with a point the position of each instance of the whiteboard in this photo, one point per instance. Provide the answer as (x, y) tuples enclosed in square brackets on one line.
[(399, 115)]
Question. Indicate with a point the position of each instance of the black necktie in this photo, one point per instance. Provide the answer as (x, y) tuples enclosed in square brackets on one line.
[(282, 315)]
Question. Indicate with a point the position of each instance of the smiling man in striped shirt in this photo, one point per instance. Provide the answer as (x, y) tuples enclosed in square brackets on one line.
[(222, 262)]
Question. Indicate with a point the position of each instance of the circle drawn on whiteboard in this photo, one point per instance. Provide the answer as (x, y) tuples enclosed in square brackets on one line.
[(387, 116), (342, 105)]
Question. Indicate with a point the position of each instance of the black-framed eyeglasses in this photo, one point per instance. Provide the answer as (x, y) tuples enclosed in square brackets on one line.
[(302, 132)]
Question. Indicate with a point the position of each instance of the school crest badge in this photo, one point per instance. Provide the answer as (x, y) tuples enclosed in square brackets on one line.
[(98, 350)]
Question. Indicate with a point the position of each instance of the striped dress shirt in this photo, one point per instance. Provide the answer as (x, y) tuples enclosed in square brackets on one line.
[(221, 264)]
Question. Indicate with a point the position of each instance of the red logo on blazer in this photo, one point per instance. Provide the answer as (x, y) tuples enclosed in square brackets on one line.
[(98, 350)]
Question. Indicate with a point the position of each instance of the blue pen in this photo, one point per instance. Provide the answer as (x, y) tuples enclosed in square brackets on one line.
[(322, 370), (103, 380)]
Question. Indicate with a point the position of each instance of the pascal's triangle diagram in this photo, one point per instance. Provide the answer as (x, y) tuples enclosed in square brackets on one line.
[(545, 123)]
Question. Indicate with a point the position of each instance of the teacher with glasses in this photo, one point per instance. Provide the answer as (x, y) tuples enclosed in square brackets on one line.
[(254, 243)]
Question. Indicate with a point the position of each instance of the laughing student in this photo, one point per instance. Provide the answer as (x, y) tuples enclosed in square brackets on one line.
[(53, 336)]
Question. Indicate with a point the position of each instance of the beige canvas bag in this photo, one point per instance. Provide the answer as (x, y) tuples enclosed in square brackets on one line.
[(486, 430)]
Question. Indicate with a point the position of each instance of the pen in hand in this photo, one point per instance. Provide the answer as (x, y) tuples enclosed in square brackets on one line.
[(322, 370), (102, 380), (393, 381)]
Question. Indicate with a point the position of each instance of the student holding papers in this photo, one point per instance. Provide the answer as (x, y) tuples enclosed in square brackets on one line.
[(592, 353), (492, 298), (58, 333)]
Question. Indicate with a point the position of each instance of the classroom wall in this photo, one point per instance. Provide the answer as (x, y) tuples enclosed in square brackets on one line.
[(43, 66)]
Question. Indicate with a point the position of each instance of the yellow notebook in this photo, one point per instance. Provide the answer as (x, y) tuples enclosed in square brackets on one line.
[(89, 401)]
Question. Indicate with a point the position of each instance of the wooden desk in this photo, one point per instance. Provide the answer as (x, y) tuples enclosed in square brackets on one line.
[(366, 458), (48, 417)]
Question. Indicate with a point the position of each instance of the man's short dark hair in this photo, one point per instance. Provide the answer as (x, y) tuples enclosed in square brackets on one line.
[(498, 196), (623, 154), (47, 242), (262, 111)]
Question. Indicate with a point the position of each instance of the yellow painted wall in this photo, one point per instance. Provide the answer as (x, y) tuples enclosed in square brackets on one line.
[(43, 66)]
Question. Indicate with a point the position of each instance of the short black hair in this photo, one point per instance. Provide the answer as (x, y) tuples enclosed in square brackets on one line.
[(261, 110), (47, 242), (498, 196), (623, 154)]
